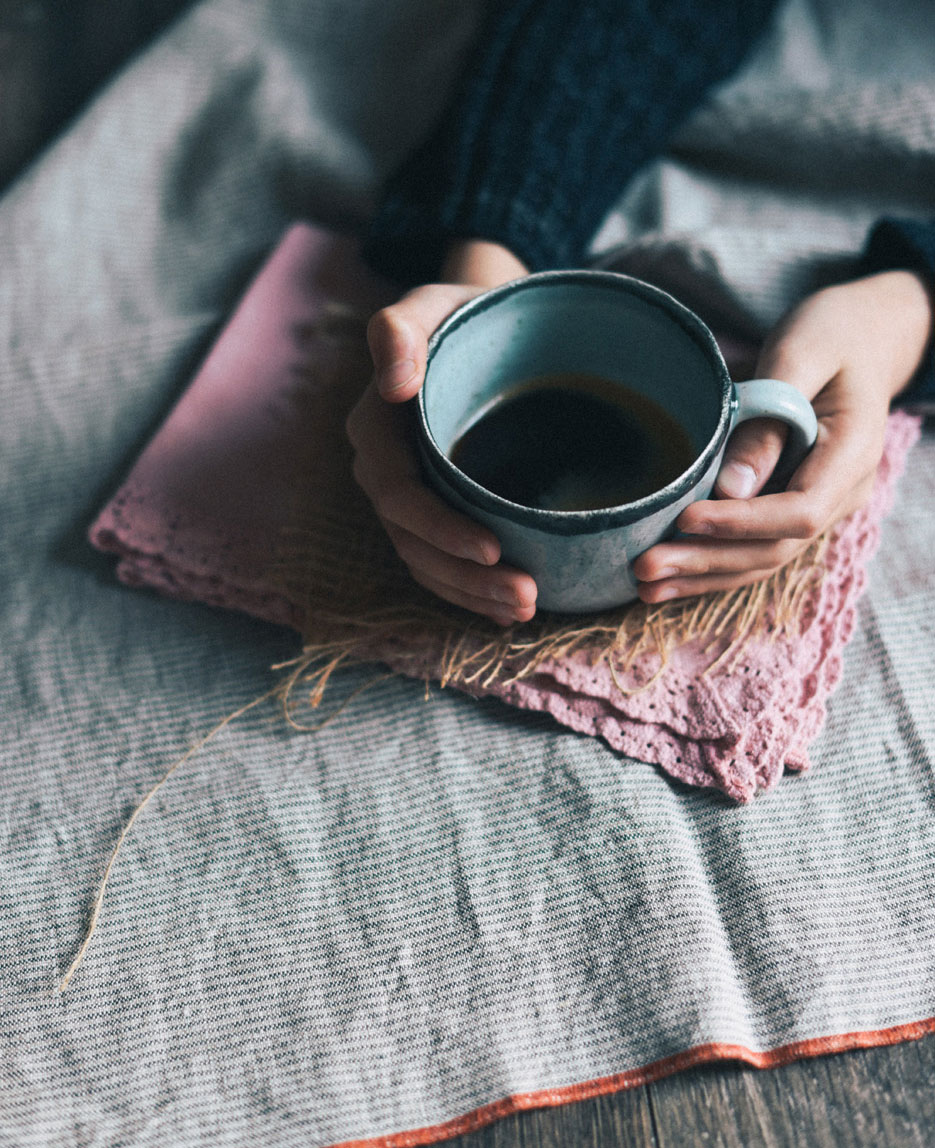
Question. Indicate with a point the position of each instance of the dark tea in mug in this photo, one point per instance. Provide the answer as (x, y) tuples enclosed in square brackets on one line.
[(572, 442)]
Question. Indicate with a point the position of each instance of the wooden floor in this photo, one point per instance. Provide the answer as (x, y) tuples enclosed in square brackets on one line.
[(871, 1098), (52, 56)]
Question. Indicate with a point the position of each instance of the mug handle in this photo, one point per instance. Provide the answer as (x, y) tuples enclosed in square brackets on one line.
[(772, 399)]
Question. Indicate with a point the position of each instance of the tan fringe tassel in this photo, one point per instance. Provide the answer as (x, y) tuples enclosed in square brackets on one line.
[(477, 653)]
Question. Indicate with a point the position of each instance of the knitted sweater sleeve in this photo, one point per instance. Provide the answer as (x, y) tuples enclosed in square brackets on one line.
[(908, 245), (561, 102)]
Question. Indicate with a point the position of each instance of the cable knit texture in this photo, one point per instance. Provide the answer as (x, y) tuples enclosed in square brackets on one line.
[(559, 106), (557, 109)]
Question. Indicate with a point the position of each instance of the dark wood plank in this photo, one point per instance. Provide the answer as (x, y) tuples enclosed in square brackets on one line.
[(624, 1119), (878, 1098), (870, 1098)]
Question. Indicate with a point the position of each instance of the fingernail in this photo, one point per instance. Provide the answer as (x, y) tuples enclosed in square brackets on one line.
[(736, 480), (396, 375), (477, 552), (665, 572), (666, 594), (473, 553), (507, 595)]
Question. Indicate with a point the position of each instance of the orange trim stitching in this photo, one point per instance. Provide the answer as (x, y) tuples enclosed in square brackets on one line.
[(635, 1077)]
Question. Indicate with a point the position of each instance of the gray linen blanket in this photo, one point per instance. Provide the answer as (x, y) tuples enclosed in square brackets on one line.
[(432, 905)]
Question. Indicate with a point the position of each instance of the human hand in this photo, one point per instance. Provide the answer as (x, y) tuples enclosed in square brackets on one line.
[(446, 552), (850, 349)]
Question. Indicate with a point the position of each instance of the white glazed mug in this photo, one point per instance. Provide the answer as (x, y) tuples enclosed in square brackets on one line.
[(627, 332)]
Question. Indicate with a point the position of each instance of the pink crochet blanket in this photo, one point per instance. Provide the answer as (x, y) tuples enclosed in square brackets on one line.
[(244, 498)]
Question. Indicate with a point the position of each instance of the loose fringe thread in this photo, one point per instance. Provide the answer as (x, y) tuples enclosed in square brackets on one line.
[(474, 654), (283, 691)]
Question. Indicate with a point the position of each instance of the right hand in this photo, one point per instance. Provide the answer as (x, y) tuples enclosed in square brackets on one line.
[(850, 348), (445, 551)]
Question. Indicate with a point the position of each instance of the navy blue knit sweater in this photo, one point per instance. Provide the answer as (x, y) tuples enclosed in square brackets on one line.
[(560, 104)]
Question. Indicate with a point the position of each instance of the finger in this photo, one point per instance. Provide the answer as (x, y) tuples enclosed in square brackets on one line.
[(404, 502), (381, 434), (750, 458), (834, 480), (713, 558), (503, 615), (398, 336), (801, 514), (653, 592), (795, 353), (387, 470), (502, 587), (799, 352)]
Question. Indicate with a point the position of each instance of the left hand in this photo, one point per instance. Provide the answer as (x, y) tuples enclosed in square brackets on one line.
[(850, 349), (449, 554)]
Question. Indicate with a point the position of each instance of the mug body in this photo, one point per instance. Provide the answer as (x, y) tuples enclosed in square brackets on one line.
[(603, 324)]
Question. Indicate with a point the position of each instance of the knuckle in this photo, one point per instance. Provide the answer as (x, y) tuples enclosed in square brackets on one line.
[(647, 567), (389, 497), (390, 501), (446, 539), (809, 522), (790, 358), (352, 427), (405, 502), (403, 546), (377, 326), (744, 524), (425, 582), (781, 554), (374, 487)]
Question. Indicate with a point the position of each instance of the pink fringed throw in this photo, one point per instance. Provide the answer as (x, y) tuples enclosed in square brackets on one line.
[(244, 499)]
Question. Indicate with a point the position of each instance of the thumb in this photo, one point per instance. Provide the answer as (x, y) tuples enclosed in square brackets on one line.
[(398, 336), (793, 354), (751, 455)]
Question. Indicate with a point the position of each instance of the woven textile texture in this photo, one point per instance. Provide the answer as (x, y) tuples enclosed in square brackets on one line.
[(436, 903)]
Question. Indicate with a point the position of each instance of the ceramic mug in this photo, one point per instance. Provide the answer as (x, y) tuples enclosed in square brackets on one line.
[(622, 330)]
